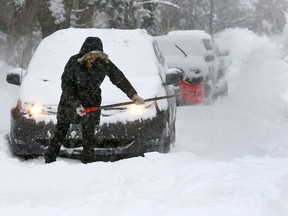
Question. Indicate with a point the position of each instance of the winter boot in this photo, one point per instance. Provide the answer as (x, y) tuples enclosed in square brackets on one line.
[(52, 152), (88, 154)]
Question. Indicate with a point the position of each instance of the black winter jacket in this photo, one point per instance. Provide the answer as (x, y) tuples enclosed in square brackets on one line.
[(81, 85)]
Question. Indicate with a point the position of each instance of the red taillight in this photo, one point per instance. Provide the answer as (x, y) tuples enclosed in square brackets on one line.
[(192, 93)]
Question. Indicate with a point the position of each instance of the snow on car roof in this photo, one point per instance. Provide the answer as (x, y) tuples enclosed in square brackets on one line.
[(198, 33), (130, 50), (176, 47)]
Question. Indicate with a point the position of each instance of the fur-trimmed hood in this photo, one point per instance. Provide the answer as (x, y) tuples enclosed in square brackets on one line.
[(97, 55), (91, 44), (91, 50)]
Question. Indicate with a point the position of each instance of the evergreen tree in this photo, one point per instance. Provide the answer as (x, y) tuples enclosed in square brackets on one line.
[(231, 14), (192, 14), (28, 17), (270, 16), (26, 22)]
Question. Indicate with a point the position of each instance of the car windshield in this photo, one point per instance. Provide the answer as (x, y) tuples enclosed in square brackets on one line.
[(177, 46), (48, 62)]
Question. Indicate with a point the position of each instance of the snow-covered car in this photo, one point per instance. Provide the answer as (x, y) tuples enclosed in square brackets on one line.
[(197, 56), (124, 131), (216, 59)]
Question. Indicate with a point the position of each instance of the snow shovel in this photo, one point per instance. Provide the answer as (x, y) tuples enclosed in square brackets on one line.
[(91, 109)]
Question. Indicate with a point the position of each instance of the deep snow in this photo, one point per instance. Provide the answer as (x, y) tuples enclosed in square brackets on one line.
[(230, 158)]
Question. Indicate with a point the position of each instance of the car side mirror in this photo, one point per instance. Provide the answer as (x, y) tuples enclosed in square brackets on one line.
[(224, 53), (173, 76), (14, 76), (209, 58)]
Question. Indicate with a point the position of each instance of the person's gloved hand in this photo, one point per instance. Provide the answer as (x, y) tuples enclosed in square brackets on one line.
[(137, 99), (79, 109)]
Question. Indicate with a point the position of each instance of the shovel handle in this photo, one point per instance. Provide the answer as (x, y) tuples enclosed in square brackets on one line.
[(91, 109), (88, 109)]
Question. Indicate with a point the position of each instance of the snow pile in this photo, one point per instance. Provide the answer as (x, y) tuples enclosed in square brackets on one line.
[(260, 73), (157, 185), (252, 119)]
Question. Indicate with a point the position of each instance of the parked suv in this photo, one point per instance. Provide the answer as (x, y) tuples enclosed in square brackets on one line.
[(124, 131), (195, 53)]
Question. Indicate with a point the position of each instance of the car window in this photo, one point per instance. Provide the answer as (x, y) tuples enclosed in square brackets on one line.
[(207, 43)]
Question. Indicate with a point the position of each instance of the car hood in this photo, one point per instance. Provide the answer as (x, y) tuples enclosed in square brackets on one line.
[(187, 64)]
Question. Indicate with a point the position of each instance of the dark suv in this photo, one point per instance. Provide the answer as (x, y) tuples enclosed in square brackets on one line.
[(124, 131)]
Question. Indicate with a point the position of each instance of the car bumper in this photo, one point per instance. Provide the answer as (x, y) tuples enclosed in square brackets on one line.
[(112, 141)]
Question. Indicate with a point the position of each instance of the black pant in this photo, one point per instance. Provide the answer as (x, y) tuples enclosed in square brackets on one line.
[(89, 123)]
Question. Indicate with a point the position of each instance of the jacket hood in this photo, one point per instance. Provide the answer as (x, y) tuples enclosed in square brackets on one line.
[(91, 44)]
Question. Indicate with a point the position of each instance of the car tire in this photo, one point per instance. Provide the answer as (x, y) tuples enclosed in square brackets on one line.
[(13, 150), (180, 102), (209, 96), (224, 91), (168, 139)]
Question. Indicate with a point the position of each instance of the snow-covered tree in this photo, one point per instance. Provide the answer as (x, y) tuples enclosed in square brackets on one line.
[(232, 13), (270, 16), (23, 19), (191, 14), (260, 16), (19, 33), (130, 14), (29, 17)]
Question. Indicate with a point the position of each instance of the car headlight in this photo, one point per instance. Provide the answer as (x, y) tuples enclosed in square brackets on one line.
[(136, 109), (32, 109), (35, 110)]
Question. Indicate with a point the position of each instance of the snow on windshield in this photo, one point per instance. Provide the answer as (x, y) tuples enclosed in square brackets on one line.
[(181, 45), (197, 33), (130, 50), (184, 52)]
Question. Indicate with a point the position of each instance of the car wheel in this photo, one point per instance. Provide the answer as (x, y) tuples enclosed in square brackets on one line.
[(208, 92), (15, 151), (11, 145), (224, 91), (172, 134), (168, 138), (180, 102)]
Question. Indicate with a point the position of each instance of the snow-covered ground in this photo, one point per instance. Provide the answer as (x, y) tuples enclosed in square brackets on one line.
[(230, 158)]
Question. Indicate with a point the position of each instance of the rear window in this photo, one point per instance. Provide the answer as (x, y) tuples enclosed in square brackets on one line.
[(207, 43), (176, 47)]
